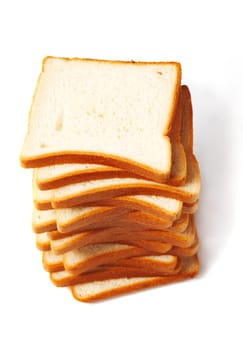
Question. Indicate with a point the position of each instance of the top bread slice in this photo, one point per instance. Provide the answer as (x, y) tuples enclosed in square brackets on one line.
[(85, 192), (57, 175), (104, 112)]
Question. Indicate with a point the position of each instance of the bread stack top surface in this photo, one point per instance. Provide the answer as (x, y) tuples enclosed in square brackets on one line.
[(91, 110)]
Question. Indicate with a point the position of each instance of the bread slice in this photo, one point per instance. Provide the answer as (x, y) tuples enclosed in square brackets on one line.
[(58, 175), (94, 191), (43, 220), (64, 245), (86, 218), (96, 109), (80, 193), (92, 218), (90, 257), (98, 290), (155, 241), (43, 241), (53, 262), (161, 265), (165, 207)]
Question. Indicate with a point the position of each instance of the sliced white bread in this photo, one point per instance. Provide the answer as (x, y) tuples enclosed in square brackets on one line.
[(43, 220), (161, 265), (80, 193), (96, 109), (93, 291), (64, 245), (87, 217), (96, 190), (159, 241), (165, 207), (43, 241), (58, 175), (52, 262), (93, 218), (90, 257)]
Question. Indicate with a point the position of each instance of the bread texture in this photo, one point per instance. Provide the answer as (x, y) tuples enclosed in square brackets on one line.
[(111, 105)]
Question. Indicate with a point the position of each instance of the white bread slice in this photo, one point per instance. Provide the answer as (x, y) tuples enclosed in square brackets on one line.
[(97, 109), (92, 218), (90, 257), (63, 219), (161, 265), (43, 241), (78, 194), (43, 220), (165, 207), (157, 241), (58, 175), (64, 245), (69, 220), (93, 191), (52, 262), (98, 290)]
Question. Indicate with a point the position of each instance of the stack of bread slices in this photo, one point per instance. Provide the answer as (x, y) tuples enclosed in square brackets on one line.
[(115, 180)]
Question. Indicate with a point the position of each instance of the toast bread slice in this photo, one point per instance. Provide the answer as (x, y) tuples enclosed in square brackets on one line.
[(162, 265), (58, 175), (157, 241), (104, 102), (93, 191), (98, 290)]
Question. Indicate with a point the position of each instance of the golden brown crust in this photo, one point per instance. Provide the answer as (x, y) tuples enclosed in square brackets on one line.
[(110, 61)]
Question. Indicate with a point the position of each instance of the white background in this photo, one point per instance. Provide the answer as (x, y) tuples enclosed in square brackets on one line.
[(206, 37)]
